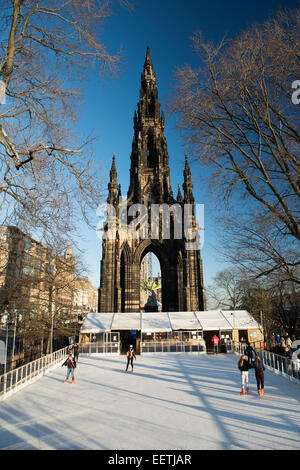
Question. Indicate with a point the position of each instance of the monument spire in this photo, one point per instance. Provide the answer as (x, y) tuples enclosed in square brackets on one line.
[(113, 184), (149, 173), (187, 185), (123, 254)]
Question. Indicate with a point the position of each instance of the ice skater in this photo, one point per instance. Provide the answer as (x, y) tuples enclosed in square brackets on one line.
[(130, 356), (250, 353), (76, 351), (259, 375), (71, 366), (244, 367), (215, 341)]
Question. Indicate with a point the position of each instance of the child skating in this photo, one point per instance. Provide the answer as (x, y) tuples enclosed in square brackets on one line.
[(71, 366), (130, 356)]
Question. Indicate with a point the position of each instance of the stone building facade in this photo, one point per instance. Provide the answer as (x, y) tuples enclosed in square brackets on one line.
[(85, 296), (33, 281), (123, 253)]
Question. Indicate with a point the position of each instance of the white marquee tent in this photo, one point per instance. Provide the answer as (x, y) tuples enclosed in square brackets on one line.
[(209, 320)]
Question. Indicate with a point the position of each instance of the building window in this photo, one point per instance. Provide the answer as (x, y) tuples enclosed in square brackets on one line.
[(49, 269), (39, 251), (27, 264), (27, 244), (27, 270), (38, 267)]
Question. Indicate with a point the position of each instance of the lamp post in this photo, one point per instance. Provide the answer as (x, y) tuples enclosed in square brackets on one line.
[(14, 338), (6, 342), (233, 323), (261, 324), (52, 321)]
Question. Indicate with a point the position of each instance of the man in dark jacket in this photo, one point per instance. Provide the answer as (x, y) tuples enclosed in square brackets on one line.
[(71, 366), (250, 353), (76, 351)]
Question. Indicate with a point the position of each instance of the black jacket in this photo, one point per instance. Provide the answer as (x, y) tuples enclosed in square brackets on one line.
[(249, 351), (66, 362), (246, 366)]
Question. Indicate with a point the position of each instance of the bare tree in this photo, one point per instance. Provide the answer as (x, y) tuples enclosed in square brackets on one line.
[(269, 300), (48, 174), (238, 118), (226, 291), (256, 245)]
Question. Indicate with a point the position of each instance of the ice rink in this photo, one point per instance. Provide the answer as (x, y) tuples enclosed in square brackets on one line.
[(181, 402)]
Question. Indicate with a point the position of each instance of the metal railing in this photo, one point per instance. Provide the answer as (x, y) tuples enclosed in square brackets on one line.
[(99, 348), (16, 379), (169, 347), (281, 365)]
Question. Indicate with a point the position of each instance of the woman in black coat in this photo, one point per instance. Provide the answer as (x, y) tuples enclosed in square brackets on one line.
[(259, 375)]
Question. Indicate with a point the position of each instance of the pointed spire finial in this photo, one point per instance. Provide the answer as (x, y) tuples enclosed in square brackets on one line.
[(113, 170), (148, 66), (179, 195), (148, 57), (112, 185), (187, 171), (113, 173)]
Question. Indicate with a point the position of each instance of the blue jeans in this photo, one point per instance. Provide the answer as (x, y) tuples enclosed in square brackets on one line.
[(70, 371), (215, 348)]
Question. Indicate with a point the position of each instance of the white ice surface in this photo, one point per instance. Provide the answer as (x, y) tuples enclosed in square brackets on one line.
[(171, 402)]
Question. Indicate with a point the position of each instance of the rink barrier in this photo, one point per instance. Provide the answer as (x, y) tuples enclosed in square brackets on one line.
[(16, 379), (280, 365), (100, 348), (170, 347), (153, 347)]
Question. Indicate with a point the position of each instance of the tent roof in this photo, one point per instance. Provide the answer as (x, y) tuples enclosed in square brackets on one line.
[(152, 322), (213, 320), (168, 321), (240, 319), (97, 323), (184, 321), (126, 321)]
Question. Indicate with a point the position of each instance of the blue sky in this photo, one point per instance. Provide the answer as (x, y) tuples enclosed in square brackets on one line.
[(166, 26)]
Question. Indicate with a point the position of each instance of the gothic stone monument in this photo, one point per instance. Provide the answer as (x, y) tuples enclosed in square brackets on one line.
[(181, 269)]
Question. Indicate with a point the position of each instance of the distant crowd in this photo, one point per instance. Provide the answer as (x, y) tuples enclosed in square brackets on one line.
[(281, 344)]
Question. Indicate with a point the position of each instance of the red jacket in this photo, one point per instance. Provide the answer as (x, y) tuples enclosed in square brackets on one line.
[(215, 340)]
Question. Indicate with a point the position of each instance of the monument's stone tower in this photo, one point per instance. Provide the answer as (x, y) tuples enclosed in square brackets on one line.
[(181, 268)]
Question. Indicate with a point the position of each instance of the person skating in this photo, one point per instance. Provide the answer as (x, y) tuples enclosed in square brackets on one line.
[(215, 341), (130, 356), (259, 375), (76, 351), (250, 353), (244, 367), (71, 366)]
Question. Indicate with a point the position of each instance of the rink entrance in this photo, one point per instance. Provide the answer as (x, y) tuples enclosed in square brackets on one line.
[(208, 335), (128, 337)]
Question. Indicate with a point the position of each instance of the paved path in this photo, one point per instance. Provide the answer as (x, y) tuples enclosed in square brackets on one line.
[(170, 402)]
